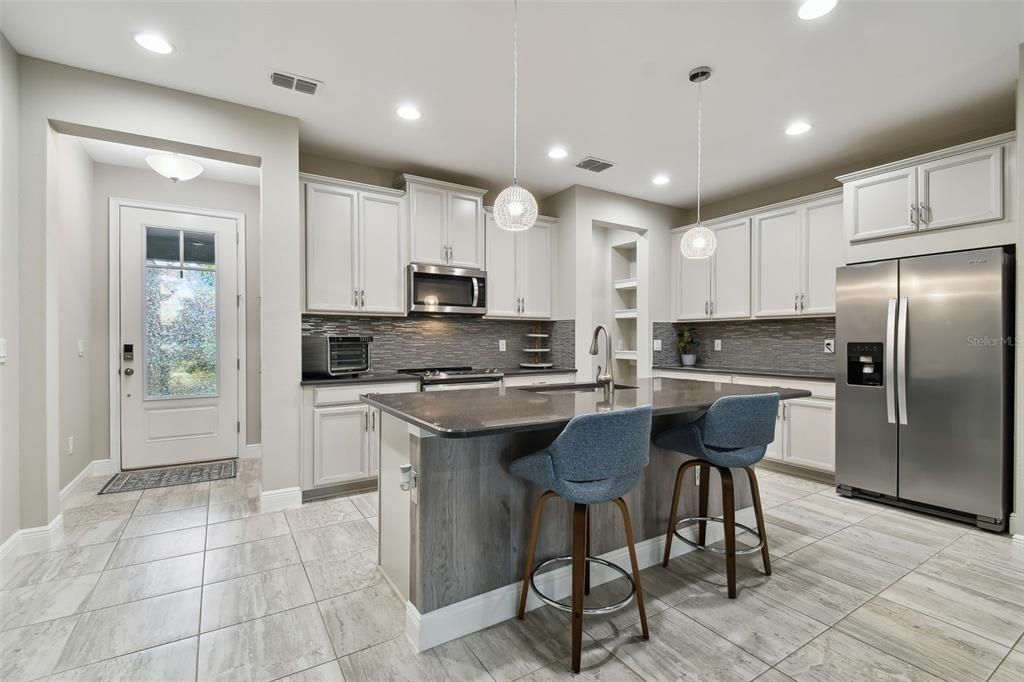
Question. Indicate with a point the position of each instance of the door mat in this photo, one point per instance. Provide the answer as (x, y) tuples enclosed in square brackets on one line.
[(161, 478)]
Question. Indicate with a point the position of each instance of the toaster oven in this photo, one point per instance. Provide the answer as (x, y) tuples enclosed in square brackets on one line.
[(325, 357)]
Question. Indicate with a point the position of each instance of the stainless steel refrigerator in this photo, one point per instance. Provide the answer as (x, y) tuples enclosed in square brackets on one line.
[(924, 392)]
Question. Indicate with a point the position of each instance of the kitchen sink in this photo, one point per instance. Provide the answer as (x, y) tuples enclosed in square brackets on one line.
[(569, 388)]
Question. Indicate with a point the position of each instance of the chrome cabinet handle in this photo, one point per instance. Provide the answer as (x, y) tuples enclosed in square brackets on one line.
[(373, 420), (366, 420), (925, 213), (913, 214), (362, 298), (355, 298), (706, 311), (796, 301), (803, 302)]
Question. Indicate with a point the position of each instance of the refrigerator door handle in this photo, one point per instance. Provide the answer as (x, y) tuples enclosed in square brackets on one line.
[(901, 368), (890, 362)]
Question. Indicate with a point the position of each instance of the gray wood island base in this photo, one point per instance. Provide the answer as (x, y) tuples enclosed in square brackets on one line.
[(453, 545)]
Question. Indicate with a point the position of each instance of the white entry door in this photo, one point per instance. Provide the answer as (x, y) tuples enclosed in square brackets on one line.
[(179, 351)]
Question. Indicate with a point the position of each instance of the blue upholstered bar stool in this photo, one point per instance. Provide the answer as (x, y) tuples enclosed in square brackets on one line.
[(733, 433), (597, 458)]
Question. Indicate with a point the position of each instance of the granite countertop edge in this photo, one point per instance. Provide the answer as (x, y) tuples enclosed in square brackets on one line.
[(394, 377), (785, 374)]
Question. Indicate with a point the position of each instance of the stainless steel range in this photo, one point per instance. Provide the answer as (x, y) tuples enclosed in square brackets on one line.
[(455, 378)]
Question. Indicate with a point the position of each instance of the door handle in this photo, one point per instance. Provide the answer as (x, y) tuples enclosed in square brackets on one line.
[(476, 292), (373, 420), (901, 366), (362, 298), (796, 302), (803, 302), (129, 371), (355, 298), (923, 211), (913, 215), (890, 362)]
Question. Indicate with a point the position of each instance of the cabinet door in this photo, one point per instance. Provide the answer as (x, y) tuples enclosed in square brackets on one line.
[(502, 295), (824, 250), (881, 205), (810, 438), (730, 271), (428, 207), (777, 447), (962, 190), (778, 259), (465, 230), (373, 442), (383, 259), (332, 275), (533, 259), (340, 444), (692, 285)]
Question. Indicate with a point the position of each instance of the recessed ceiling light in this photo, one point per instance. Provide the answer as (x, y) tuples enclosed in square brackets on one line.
[(660, 179), (558, 153), (813, 9), (153, 43), (798, 128), (408, 112)]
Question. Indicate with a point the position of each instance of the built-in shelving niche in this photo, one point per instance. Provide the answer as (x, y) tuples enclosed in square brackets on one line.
[(623, 272)]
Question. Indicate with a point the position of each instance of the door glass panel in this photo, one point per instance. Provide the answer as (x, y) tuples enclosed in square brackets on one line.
[(180, 320), (199, 250), (163, 245)]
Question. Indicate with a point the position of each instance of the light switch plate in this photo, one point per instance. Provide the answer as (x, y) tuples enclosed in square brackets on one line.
[(718, 344), (830, 346), (501, 346), (81, 348), (657, 344)]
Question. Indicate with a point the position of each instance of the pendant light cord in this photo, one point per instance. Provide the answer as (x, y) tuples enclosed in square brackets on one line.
[(515, 92), (699, 100)]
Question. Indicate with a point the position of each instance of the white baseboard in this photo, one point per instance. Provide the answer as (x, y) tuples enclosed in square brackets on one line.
[(427, 630), (29, 540), (254, 451), (97, 467), (282, 498), (1015, 529)]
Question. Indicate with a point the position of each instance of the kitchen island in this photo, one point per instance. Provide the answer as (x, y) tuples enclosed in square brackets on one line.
[(453, 545)]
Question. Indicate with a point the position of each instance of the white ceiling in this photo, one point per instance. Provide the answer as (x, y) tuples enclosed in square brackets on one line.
[(601, 78), (116, 154)]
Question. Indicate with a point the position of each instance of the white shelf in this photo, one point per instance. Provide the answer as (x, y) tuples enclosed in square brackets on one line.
[(625, 355), (536, 365), (625, 314), (626, 283)]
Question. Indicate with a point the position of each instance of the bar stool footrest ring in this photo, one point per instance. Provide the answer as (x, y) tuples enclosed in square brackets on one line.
[(563, 606), (717, 550)]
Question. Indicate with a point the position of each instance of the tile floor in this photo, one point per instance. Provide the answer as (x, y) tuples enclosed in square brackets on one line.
[(192, 582)]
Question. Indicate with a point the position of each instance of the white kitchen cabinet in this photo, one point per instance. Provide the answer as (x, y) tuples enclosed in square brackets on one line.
[(882, 205), (355, 248), (519, 281), (824, 251), (692, 284), (810, 433), (716, 287), (446, 223), (514, 381), (961, 190)]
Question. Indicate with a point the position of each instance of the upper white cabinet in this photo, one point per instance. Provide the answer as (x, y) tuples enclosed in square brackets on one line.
[(519, 270), (956, 187), (797, 248), (446, 223), (355, 248), (716, 287)]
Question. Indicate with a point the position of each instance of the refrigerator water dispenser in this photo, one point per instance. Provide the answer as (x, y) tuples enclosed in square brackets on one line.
[(864, 364)]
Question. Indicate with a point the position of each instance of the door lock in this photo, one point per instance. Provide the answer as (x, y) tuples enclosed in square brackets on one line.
[(129, 371)]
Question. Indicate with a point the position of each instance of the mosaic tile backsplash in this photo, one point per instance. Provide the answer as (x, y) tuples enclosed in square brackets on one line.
[(783, 345), (403, 342)]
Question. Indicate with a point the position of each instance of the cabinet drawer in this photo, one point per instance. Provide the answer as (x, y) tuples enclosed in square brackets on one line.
[(335, 395), (540, 379), (818, 389), (696, 376)]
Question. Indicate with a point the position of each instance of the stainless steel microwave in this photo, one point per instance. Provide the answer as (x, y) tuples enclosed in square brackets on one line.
[(447, 290)]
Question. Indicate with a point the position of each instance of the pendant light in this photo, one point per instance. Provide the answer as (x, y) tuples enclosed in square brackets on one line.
[(515, 209), (698, 242)]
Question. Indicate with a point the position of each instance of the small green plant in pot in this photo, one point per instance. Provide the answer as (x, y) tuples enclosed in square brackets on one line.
[(688, 343)]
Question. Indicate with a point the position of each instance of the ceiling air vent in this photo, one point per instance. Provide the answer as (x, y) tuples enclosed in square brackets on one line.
[(289, 81), (596, 165)]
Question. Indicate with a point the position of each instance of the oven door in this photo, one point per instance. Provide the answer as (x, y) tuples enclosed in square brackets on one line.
[(439, 289)]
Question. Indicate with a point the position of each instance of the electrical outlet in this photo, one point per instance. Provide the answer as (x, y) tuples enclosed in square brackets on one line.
[(830, 346), (501, 346), (718, 344), (657, 344), (3, 351), (81, 348), (71, 445)]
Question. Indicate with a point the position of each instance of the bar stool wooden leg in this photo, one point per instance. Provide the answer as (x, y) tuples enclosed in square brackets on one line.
[(586, 552), (729, 518), (531, 550), (579, 561), (628, 525), (759, 515), (702, 504), (673, 512)]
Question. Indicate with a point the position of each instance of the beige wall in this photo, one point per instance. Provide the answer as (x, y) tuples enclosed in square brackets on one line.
[(10, 480), (143, 184), (57, 95)]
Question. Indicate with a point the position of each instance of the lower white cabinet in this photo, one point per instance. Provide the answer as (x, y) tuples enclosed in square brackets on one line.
[(540, 379)]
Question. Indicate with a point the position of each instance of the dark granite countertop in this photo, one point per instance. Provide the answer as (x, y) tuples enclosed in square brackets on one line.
[(373, 378), (786, 374), (483, 412)]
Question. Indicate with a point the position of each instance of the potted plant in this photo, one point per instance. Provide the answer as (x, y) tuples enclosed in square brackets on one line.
[(688, 343)]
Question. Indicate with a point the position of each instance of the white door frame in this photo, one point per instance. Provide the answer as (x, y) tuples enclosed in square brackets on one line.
[(114, 274)]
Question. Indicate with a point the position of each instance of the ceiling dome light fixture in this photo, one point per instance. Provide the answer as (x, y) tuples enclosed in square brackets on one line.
[(153, 43), (660, 179), (409, 112), (515, 209), (174, 166), (558, 152), (699, 241), (798, 128), (815, 9)]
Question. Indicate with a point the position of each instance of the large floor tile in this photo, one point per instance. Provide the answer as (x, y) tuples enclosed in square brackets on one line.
[(236, 509), (363, 618), (835, 657), (848, 566), (132, 627), (783, 541), (516, 647), (332, 577), (86, 496), (150, 524), (930, 530), (960, 605), (45, 601), (367, 504), (152, 579), (325, 513), (611, 624), (117, 509), (251, 557), (809, 592), (31, 652), (97, 533), (234, 490), (684, 649), (174, 662), (928, 643), (393, 660), (991, 578), (998, 550), (335, 542), (597, 664), (160, 546), (250, 529), (901, 551), (1011, 669), (254, 596), (40, 567), (817, 515), (173, 498), (325, 672), (266, 648), (762, 627)]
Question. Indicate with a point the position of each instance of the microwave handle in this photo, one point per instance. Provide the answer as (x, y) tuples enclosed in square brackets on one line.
[(476, 292)]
